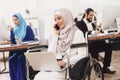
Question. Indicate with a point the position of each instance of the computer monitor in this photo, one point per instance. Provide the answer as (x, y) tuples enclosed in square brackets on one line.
[(109, 16), (118, 23), (4, 32)]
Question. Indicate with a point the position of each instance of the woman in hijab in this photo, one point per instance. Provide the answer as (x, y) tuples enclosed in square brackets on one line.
[(20, 33), (65, 34)]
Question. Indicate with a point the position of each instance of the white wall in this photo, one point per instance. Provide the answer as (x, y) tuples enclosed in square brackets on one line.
[(7, 9), (76, 6), (44, 9)]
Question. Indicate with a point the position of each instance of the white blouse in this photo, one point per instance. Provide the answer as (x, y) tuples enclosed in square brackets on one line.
[(74, 54)]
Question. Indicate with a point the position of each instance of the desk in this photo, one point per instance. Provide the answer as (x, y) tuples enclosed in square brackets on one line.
[(103, 37), (17, 47), (14, 48)]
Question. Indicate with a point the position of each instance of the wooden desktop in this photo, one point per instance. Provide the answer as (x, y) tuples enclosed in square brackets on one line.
[(11, 47), (104, 37)]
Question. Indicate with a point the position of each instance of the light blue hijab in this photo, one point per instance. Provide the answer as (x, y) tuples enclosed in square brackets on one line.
[(20, 30)]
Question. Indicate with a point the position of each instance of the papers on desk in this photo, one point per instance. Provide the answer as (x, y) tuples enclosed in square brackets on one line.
[(5, 45), (100, 34), (30, 42), (4, 42)]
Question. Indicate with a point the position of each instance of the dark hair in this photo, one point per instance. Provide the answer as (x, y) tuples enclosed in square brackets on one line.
[(75, 19), (88, 10)]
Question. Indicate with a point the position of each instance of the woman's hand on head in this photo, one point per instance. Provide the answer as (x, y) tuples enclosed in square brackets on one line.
[(10, 28)]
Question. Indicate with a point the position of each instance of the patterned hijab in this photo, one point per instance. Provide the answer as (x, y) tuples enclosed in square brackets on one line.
[(66, 35), (20, 30)]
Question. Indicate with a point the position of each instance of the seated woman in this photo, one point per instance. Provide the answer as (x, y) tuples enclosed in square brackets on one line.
[(65, 34), (20, 33)]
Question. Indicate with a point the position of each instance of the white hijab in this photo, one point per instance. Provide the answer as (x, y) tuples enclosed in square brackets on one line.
[(66, 35)]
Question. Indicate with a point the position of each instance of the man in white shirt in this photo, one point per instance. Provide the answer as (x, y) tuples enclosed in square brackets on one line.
[(87, 25)]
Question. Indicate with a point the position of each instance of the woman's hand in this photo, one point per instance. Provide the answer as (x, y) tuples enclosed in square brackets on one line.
[(56, 31), (10, 28), (98, 32), (62, 63)]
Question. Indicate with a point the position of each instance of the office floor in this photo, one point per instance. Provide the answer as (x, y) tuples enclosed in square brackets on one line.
[(114, 66)]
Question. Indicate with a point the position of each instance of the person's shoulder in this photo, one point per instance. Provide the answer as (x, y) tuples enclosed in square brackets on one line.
[(28, 27), (77, 31), (79, 22)]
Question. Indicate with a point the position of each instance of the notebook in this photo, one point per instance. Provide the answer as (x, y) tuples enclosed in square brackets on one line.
[(43, 61)]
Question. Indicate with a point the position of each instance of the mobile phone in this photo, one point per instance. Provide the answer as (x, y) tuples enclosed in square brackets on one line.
[(57, 27)]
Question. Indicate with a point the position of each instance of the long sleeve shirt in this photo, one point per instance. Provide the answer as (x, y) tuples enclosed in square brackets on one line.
[(28, 37), (75, 54)]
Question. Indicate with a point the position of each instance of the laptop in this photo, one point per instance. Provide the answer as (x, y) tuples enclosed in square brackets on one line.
[(43, 61)]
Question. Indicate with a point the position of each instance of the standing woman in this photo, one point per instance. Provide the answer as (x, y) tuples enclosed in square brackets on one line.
[(65, 34), (20, 33)]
